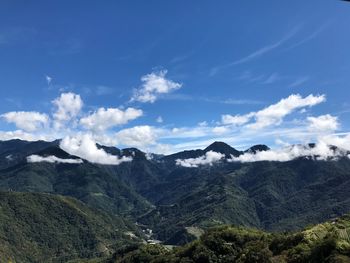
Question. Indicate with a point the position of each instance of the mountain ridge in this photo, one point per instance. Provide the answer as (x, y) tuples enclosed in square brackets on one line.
[(169, 198)]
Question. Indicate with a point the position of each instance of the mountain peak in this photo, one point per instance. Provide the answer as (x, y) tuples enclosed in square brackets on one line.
[(223, 148), (257, 148)]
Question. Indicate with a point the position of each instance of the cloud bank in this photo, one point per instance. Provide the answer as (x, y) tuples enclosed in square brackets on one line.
[(103, 119), (320, 151), (209, 158), (51, 159), (29, 121), (273, 115), (85, 147)]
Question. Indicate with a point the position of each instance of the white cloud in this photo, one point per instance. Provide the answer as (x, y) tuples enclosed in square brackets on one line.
[(241, 131), (153, 85), (321, 151), (68, 107), (203, 124), (22, 135), (51, 159), (274, 114), (236, 119), (186, 132), (323, 124), (27, 120), (48, 80), (159, 119), (103, 119), (163, 148), (85, 147), (209, 158), (220, 130), (138, 136), (342, 141)]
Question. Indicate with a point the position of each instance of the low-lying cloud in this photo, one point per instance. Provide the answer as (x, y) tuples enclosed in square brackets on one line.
[(320, 151), (209, 158), (51, 159), (85, 147)]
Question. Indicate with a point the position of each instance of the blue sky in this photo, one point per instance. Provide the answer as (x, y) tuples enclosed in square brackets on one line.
[(215, 59)]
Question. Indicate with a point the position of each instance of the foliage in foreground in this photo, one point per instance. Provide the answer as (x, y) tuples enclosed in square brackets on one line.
[(328, 242)]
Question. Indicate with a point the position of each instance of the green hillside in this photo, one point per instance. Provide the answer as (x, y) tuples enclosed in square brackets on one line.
[(86, 182), (46, 228), (328, 242), (274, 196), (169, 201)]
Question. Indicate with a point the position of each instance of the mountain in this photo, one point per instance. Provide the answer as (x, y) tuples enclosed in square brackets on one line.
[(324, 243), (168, 199), (87, 182), (275, 196), (36, 227), (223, 148), (219, 147), (257, 148), (13, 152)]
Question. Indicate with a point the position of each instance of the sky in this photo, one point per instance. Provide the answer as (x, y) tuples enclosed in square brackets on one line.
[(166, 76)]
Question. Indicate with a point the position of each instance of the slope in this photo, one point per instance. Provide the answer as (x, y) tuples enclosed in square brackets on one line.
[(47, 228), (327, 242)]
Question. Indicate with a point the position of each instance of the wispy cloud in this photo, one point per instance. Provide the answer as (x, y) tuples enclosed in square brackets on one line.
[(272, 78), (257, 53), (231, 101), (265, 49), (242, 102), (299, 81), (65, 47), (14, 35), (309, 37), (179, 58), (104, 90), (264, 78), (48, 81)]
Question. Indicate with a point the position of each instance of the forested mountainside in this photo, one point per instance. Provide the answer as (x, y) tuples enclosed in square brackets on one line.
[(167, 201), (327, 242), (36, 227)]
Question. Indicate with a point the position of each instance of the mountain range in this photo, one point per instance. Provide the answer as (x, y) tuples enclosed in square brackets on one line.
[(155, 198)]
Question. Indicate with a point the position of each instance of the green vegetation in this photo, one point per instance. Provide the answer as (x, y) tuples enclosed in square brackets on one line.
[(268, 195), (46, 228), (328, 242), (173, 204)]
